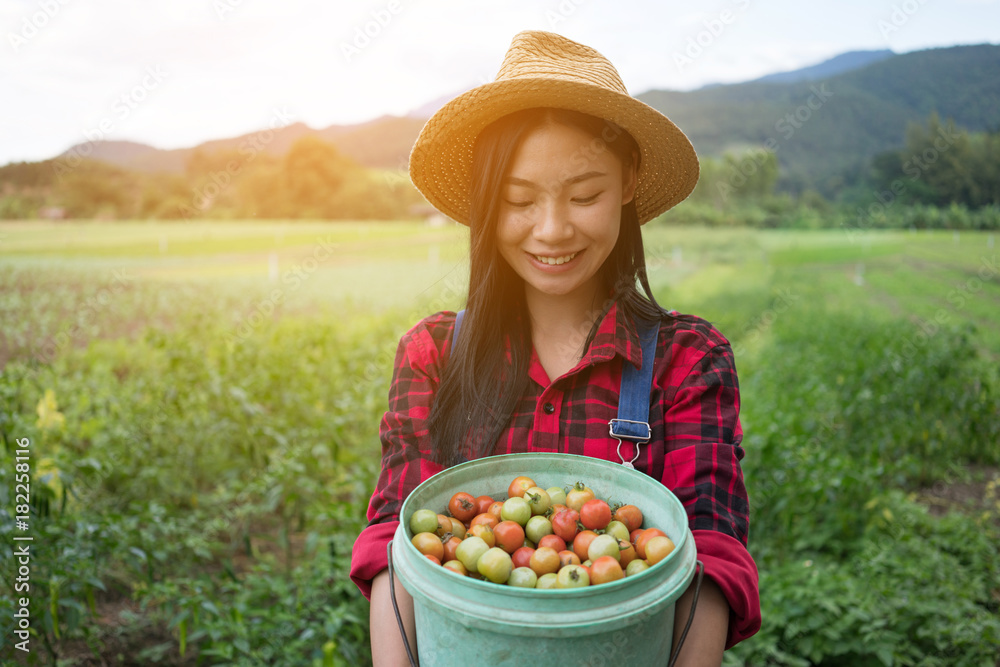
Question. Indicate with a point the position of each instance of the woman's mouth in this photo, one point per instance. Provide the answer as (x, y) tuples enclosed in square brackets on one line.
[(555, 261)]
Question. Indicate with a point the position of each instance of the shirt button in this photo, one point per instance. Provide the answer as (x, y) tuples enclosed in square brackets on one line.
[(549, 408)]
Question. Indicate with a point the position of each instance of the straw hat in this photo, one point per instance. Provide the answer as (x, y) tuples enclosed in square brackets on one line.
[(543, 69)]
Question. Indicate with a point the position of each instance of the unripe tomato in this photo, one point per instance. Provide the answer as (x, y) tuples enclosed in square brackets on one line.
[(444, 525), (578, 495), (544, 560), (495, 565), (519, 486), (522, 577), (618, 529), (483, 504), (635, 567), (470, 550), (547, 581), (630, 515), (457, 528), (572, 576), (603, 545), (509, 536), (428, 544), (644, 537), (553, 542), (605, 569), (537, 528), (581, 543), (456, 567), (564, 524), (462, 506), (516, 509), (595, 514), (495, 509), (557, 495), (658, 548), (485, 533), (538, 500), (423, 521), (522, 557)]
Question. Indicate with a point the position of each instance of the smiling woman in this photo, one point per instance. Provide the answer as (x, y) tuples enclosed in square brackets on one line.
[(554, 167)]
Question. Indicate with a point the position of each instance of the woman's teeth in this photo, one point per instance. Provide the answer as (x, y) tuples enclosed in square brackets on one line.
[(554, 261)]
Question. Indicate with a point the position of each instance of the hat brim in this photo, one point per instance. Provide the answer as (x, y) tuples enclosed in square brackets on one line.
[(441, 158)]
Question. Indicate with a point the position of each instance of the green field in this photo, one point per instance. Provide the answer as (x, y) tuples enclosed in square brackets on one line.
[(203, 403)]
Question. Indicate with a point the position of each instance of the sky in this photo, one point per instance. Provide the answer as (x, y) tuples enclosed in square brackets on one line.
[(175, 74)]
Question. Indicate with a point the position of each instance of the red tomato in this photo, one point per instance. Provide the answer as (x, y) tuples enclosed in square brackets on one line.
[(485, 519), (644, 537), (433, 559), (553, 542), (462, 506), (595, 514), (555, 509), (483, 504), (628, 553), (581, 543), (450, 545), (495, 508), (634, 535), (630, 515), (564, 524), (509, 535), (567, 557), (605, 569), (519, 486), (444, 525), (522, 557)]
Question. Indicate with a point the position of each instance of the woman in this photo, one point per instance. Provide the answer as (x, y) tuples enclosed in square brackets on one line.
[(554, 167)]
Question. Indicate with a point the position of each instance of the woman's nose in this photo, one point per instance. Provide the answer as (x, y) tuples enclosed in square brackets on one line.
[(552, 224)]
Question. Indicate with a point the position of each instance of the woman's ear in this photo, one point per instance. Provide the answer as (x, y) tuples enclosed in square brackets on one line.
[(630, 179)]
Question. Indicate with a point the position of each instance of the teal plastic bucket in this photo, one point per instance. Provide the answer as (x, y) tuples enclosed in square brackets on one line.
[(463, 621)]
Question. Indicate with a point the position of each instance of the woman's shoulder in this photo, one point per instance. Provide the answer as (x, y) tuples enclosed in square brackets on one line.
[(431, 335), (690, 331)]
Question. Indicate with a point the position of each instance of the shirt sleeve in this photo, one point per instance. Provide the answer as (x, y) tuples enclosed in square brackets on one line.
[(406, 444), (702, 468)]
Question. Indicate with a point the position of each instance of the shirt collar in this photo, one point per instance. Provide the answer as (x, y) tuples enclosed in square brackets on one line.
[(616, 335)]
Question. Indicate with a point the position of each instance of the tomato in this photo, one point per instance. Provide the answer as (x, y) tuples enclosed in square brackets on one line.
[(581, 543), (450, 545), (572, 576), (544, 560), (635, 567), (470, 550), (523, 577), (457, 528), (628, 553), (483, 504), (567, 557), (509, 536), (462, 506), (618, 529), (564, 524), (578, 495), (423, 521), (444, 525), (547, 581), (495, 565), (603, 545), (605, 569), (495, 508), (555, 508), (644, 537), (519, 486), (486, 519), (630, 515), (433, 559), (595, 514), (634, 535), (557, 495), (538, 499), (553, 542), (516, 509), (658, 548), (456, 567), (485, 533), (522, 557), (428, 544), (537, 528)]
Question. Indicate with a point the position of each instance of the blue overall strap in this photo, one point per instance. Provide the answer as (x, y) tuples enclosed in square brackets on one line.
[(458, 325), (633, 400)]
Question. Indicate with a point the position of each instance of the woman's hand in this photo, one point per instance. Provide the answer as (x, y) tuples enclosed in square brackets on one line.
[(387, 644), (706, 640)]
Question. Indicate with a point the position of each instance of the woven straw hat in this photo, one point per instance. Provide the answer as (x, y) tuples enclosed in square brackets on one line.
[(543, 69)]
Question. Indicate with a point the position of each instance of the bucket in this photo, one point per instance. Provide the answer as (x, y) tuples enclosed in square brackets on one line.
[(463, 621)]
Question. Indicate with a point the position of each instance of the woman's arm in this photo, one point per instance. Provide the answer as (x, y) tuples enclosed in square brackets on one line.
[(387, 644), (706, 640)]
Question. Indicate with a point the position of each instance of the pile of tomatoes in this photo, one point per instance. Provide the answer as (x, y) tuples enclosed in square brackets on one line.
[(539, 538)]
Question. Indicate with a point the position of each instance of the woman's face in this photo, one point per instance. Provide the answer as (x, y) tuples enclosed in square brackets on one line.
[(560, 210)]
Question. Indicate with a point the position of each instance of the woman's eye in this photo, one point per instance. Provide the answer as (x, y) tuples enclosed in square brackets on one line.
[(587, 200), (518, 204)]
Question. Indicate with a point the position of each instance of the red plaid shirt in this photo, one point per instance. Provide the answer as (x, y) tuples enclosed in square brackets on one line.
[(695, 447)]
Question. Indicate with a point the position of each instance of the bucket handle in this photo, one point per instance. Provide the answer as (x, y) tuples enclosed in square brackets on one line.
[(700, 568), (395, 608)]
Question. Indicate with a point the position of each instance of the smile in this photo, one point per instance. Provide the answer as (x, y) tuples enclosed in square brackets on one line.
[(555, 261)]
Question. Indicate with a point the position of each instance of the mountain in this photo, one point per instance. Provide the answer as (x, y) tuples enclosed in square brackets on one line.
[(845, 62)]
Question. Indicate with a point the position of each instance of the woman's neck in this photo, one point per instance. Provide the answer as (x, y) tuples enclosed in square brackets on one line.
[(563, 322)]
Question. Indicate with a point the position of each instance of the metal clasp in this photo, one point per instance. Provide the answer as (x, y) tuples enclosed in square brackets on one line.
[(634, 438)]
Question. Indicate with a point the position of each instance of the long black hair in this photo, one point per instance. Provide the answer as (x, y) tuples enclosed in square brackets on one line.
[(481, 384)]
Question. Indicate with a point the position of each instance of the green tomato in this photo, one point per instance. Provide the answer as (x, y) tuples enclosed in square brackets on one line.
[(618, 529), (470, 551), (495, 565), (557, 495), (547, 580), (604, 545), (423, 521), (635, 567), (572, 576), (523, 577), (538, 499), (537, 528), (515, 509)]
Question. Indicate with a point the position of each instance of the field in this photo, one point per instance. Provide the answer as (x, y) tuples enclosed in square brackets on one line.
[(203, 400)]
